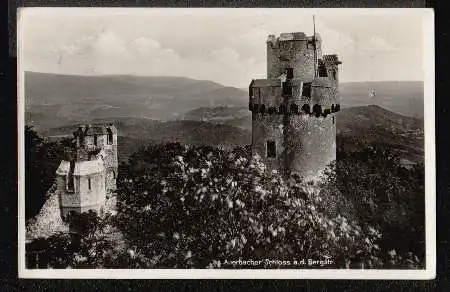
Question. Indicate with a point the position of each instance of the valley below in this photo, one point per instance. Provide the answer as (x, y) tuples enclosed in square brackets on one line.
[(175, 109)]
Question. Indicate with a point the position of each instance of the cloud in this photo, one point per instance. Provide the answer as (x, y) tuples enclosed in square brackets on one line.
[(377, 43), (107, 52), (229, 48), (225, 55)]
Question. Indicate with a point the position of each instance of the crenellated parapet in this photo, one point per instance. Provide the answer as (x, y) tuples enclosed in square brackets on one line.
[(293, 96)]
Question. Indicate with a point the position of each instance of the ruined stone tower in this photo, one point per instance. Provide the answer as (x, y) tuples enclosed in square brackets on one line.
[(87, 175), (293, 110), (100, 137)]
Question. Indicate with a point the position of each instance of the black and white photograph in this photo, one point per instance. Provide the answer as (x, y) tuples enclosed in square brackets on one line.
[(226, 143)]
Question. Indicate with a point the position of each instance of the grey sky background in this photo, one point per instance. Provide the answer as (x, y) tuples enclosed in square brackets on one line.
[(223, 45)]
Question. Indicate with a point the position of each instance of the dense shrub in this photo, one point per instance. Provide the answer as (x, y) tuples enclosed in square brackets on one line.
[(197, 207), (385, 194)]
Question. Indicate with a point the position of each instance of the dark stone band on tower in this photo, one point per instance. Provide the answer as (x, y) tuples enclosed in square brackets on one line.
[(294, 109)]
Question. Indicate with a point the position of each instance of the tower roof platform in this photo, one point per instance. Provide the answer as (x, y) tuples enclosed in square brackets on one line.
[(81, 168)]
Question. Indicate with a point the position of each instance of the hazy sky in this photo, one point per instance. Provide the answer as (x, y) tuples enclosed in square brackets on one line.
[(224, 45)]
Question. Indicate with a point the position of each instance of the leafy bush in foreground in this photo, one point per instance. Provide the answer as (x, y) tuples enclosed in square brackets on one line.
[(197, 207)]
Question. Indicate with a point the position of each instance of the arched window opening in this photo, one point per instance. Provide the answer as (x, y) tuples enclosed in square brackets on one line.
[(110, 136), (306, 109), (326, 112), (317, 110), (294, 109), (334, 74), (282, 109), (272, 110), (332, 108)]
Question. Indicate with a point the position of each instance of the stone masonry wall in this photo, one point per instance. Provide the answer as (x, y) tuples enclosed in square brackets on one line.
[(111, 164), (305, 144), (82, 199), (302, 126), (265, 128), (310, 143), (296, 54)]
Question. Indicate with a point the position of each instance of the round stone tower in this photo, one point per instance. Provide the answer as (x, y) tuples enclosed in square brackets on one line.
[(293, 110)]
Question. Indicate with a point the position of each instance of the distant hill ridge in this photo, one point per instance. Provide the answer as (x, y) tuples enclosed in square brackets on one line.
[(56, 100), (363, 125)]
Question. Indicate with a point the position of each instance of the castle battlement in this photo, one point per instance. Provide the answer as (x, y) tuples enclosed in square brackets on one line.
[(293, 109), (291, 36)]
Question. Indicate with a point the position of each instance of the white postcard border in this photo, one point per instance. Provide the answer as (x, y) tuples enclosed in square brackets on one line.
[(430, 187)]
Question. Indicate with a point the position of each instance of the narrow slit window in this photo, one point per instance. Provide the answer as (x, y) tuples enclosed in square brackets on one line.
[(89, 183), (271, 149), (70, 179), (333, 120), (110, 137), (290, 73), (306, 89), (322, 69), (95, 140), (256, 96), (70, 183)]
